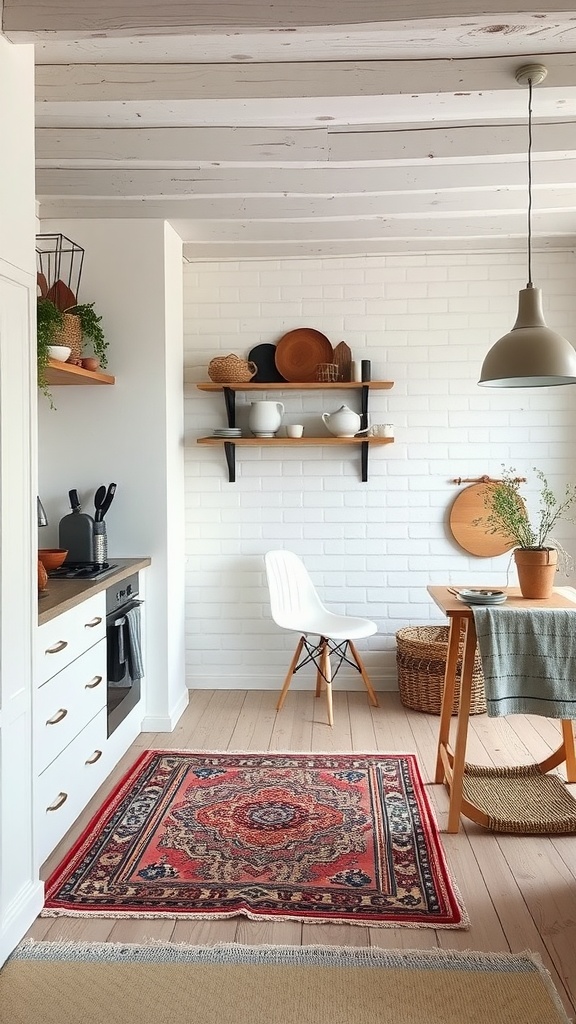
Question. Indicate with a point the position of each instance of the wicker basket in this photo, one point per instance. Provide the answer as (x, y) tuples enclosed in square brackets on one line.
[(70, 335), (421, 653), (231, 370)]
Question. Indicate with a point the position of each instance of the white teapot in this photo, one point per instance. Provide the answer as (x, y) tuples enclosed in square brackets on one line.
[(342, 423)]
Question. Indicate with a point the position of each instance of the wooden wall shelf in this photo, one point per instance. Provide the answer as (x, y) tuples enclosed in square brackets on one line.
[(271, 442), (231, 443), (372, 385), (58, 373)]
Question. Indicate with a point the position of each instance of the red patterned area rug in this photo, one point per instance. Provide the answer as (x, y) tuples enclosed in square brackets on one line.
[(347, 838)]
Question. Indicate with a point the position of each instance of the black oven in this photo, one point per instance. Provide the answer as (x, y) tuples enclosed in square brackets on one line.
[(125, 667)]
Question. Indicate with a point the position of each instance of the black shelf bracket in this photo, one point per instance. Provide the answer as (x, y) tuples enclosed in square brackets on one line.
[(230, 400), (363, 426), (230, 453), (364, 460), (364, 407)]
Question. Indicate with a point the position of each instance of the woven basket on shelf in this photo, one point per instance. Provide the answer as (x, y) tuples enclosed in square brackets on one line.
[(70, 335), (421, 653), (231, 370)]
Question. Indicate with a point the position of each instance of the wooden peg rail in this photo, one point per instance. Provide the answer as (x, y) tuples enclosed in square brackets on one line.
[(486, 480)]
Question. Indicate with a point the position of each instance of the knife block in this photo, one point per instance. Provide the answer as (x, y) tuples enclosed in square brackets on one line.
[(76, 534)]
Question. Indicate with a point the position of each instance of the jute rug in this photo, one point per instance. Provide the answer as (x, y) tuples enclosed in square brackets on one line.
[(323, 837), (48, 983)]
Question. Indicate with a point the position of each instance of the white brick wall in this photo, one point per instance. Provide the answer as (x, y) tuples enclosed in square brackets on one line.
[(426, 323)]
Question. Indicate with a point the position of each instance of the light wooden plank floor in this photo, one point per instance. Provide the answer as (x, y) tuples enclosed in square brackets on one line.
[(520, 891)]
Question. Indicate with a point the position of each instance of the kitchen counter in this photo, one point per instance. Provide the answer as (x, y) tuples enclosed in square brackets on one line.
[(60, 595)]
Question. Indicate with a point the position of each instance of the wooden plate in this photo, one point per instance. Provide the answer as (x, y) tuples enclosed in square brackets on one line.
[(468, 523), (299, 352)]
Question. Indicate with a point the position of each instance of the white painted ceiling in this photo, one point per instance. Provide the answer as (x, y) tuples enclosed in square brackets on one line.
[(299, 139)]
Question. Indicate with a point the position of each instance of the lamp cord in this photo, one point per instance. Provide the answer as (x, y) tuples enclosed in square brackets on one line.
[(529, 285)]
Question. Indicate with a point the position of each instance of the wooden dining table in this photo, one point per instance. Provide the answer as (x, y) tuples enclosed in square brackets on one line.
[(450, 763)]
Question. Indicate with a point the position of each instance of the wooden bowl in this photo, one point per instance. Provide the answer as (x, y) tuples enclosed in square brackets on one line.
[(51, 558)]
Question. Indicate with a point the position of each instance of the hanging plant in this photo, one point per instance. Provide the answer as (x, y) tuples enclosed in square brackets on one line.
[(91, 330), (49, 322)]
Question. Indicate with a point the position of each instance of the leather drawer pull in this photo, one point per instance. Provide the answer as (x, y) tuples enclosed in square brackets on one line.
[(94, 682), (57, 647), (57, 717), (93, 622), (95, 757), (60, 799)]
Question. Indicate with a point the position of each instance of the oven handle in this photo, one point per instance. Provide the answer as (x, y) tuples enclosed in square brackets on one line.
[(116, 618)]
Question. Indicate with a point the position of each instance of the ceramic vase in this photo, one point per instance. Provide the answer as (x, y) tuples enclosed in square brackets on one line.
[(536, 571)]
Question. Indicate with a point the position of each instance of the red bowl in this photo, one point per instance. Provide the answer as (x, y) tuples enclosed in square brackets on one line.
[(52, 558)]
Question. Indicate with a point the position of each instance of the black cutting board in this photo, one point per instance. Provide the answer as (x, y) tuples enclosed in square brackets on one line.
[(264, 357)]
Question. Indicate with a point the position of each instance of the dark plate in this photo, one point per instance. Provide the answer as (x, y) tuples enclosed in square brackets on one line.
[(265, 358)]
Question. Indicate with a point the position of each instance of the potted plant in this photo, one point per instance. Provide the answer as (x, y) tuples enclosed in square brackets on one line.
[(69, 327), (536, 552)]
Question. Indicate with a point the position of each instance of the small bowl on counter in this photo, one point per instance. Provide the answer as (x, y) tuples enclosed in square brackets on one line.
[(52, 558)]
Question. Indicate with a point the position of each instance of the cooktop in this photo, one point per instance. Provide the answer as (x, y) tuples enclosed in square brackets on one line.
[(81, 571)]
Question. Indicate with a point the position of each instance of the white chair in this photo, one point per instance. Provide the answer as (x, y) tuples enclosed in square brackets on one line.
[(296, 606)]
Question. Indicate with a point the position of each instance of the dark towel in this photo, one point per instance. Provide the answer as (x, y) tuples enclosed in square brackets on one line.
[(116, 650), (133, 641)]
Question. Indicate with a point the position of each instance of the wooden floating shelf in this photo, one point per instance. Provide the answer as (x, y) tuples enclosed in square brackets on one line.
[(231, 443), (58, 373), (270, 442), (372, 385)]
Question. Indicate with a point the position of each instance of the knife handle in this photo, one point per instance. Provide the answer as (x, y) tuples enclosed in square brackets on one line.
[(74, 499)]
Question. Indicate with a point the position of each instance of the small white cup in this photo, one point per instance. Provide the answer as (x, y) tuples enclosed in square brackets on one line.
[(356, 371), (294, 430)]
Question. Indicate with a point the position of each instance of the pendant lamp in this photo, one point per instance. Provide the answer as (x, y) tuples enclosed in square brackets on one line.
[(530, 355)]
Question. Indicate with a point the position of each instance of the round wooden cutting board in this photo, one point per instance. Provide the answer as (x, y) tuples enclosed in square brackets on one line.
[(469, 506)]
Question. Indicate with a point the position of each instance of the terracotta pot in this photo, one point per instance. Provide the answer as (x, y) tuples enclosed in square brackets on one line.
[(536, 571)]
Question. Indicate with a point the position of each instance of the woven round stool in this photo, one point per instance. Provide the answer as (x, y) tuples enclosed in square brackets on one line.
[(421, 653)]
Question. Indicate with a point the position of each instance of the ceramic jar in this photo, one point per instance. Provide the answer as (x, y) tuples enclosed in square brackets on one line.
[(265, 418)]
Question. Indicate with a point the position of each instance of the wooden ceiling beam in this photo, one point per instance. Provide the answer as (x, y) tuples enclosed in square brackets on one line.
[(280, 148), (25, 20), (317, 183), (142, 83), (400, 204)]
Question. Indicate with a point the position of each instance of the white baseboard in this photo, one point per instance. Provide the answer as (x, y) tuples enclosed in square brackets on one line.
[(166, 723), (19, 916)]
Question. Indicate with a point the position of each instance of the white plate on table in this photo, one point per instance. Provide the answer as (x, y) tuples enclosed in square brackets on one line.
[(484, 596)]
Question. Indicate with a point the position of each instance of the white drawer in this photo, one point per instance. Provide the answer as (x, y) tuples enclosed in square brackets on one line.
[(66, 786), (67, 702), (67, 636)]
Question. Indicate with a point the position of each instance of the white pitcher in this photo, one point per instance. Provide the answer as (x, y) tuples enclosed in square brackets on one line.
[(265, 418)]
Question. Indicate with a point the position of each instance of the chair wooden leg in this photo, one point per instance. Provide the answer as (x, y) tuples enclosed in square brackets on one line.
[(319, 682), (327, 673), (365, 678), (289, 674)]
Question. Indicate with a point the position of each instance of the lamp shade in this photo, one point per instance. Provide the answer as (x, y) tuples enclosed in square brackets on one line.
[(530, 355)]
